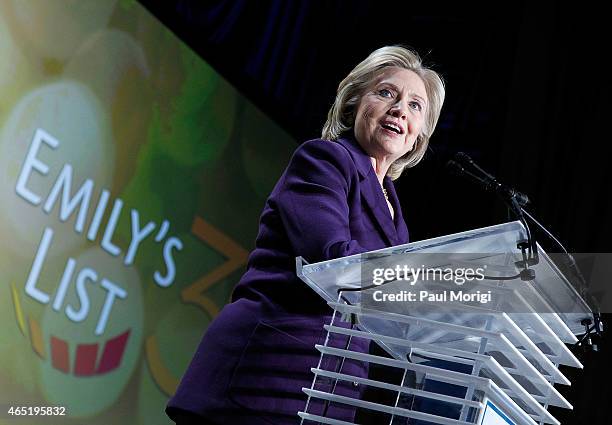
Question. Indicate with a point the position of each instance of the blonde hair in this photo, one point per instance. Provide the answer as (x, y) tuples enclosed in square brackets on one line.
[(341, 116)]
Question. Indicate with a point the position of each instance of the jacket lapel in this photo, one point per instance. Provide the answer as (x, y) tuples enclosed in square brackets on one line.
[(375, 200), (372, 193), (399, 223)]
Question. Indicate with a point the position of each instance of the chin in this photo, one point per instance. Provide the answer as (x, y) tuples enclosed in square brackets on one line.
[(392, 146)]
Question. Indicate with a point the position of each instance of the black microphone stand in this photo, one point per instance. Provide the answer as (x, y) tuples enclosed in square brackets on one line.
[(515, 201)]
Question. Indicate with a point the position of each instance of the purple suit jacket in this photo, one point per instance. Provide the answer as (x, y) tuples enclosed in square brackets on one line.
[(256, 355)]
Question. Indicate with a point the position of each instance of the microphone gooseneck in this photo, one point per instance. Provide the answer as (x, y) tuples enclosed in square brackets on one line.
[(465, 166), (489, 181)]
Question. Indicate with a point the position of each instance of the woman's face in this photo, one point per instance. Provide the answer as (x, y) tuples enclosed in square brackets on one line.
[(391, 114)]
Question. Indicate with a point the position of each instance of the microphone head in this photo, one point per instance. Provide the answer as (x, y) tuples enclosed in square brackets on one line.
[(463, 158), (454, 167), (521, 198)]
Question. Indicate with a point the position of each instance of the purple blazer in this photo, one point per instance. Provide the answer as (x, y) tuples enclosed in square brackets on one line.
[(256, 355)]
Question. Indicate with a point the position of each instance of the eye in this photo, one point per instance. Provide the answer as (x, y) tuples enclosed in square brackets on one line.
[(415, 105), (385, 93)]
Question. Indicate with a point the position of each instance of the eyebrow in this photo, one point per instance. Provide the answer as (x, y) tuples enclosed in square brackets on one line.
[(388, 83)]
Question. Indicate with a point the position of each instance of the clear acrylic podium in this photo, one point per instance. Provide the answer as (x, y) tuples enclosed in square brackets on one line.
[(461, 362)]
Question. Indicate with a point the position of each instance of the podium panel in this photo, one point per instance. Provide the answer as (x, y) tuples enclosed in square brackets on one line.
[(485, 351)]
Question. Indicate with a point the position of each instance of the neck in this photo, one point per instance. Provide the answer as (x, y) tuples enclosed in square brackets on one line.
[(380, 168)]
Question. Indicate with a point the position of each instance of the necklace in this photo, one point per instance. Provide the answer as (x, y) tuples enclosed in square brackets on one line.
[(385, 193)]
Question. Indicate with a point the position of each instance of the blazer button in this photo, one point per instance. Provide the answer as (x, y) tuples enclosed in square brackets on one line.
[(355, 384)]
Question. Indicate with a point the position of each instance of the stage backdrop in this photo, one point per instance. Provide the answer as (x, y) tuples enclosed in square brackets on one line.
[(132, 176)]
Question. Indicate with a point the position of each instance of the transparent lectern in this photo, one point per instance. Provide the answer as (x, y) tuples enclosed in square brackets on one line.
[(482, 350)]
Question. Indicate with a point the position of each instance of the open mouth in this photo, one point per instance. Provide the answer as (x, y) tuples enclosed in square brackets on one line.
[(394, 128)]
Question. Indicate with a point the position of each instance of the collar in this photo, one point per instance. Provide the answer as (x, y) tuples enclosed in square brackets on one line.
[(360, 157)]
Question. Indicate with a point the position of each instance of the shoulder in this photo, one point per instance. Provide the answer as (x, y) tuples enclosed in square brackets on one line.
[(323, 147), (319, 153), (317, 164)]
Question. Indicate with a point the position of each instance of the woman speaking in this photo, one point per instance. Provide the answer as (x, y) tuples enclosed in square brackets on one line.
[(335, 198)]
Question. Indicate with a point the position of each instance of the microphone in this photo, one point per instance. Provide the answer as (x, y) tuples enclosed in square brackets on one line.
[(486, 180)]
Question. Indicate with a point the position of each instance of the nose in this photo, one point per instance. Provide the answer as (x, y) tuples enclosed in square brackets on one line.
[(399, 110)]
